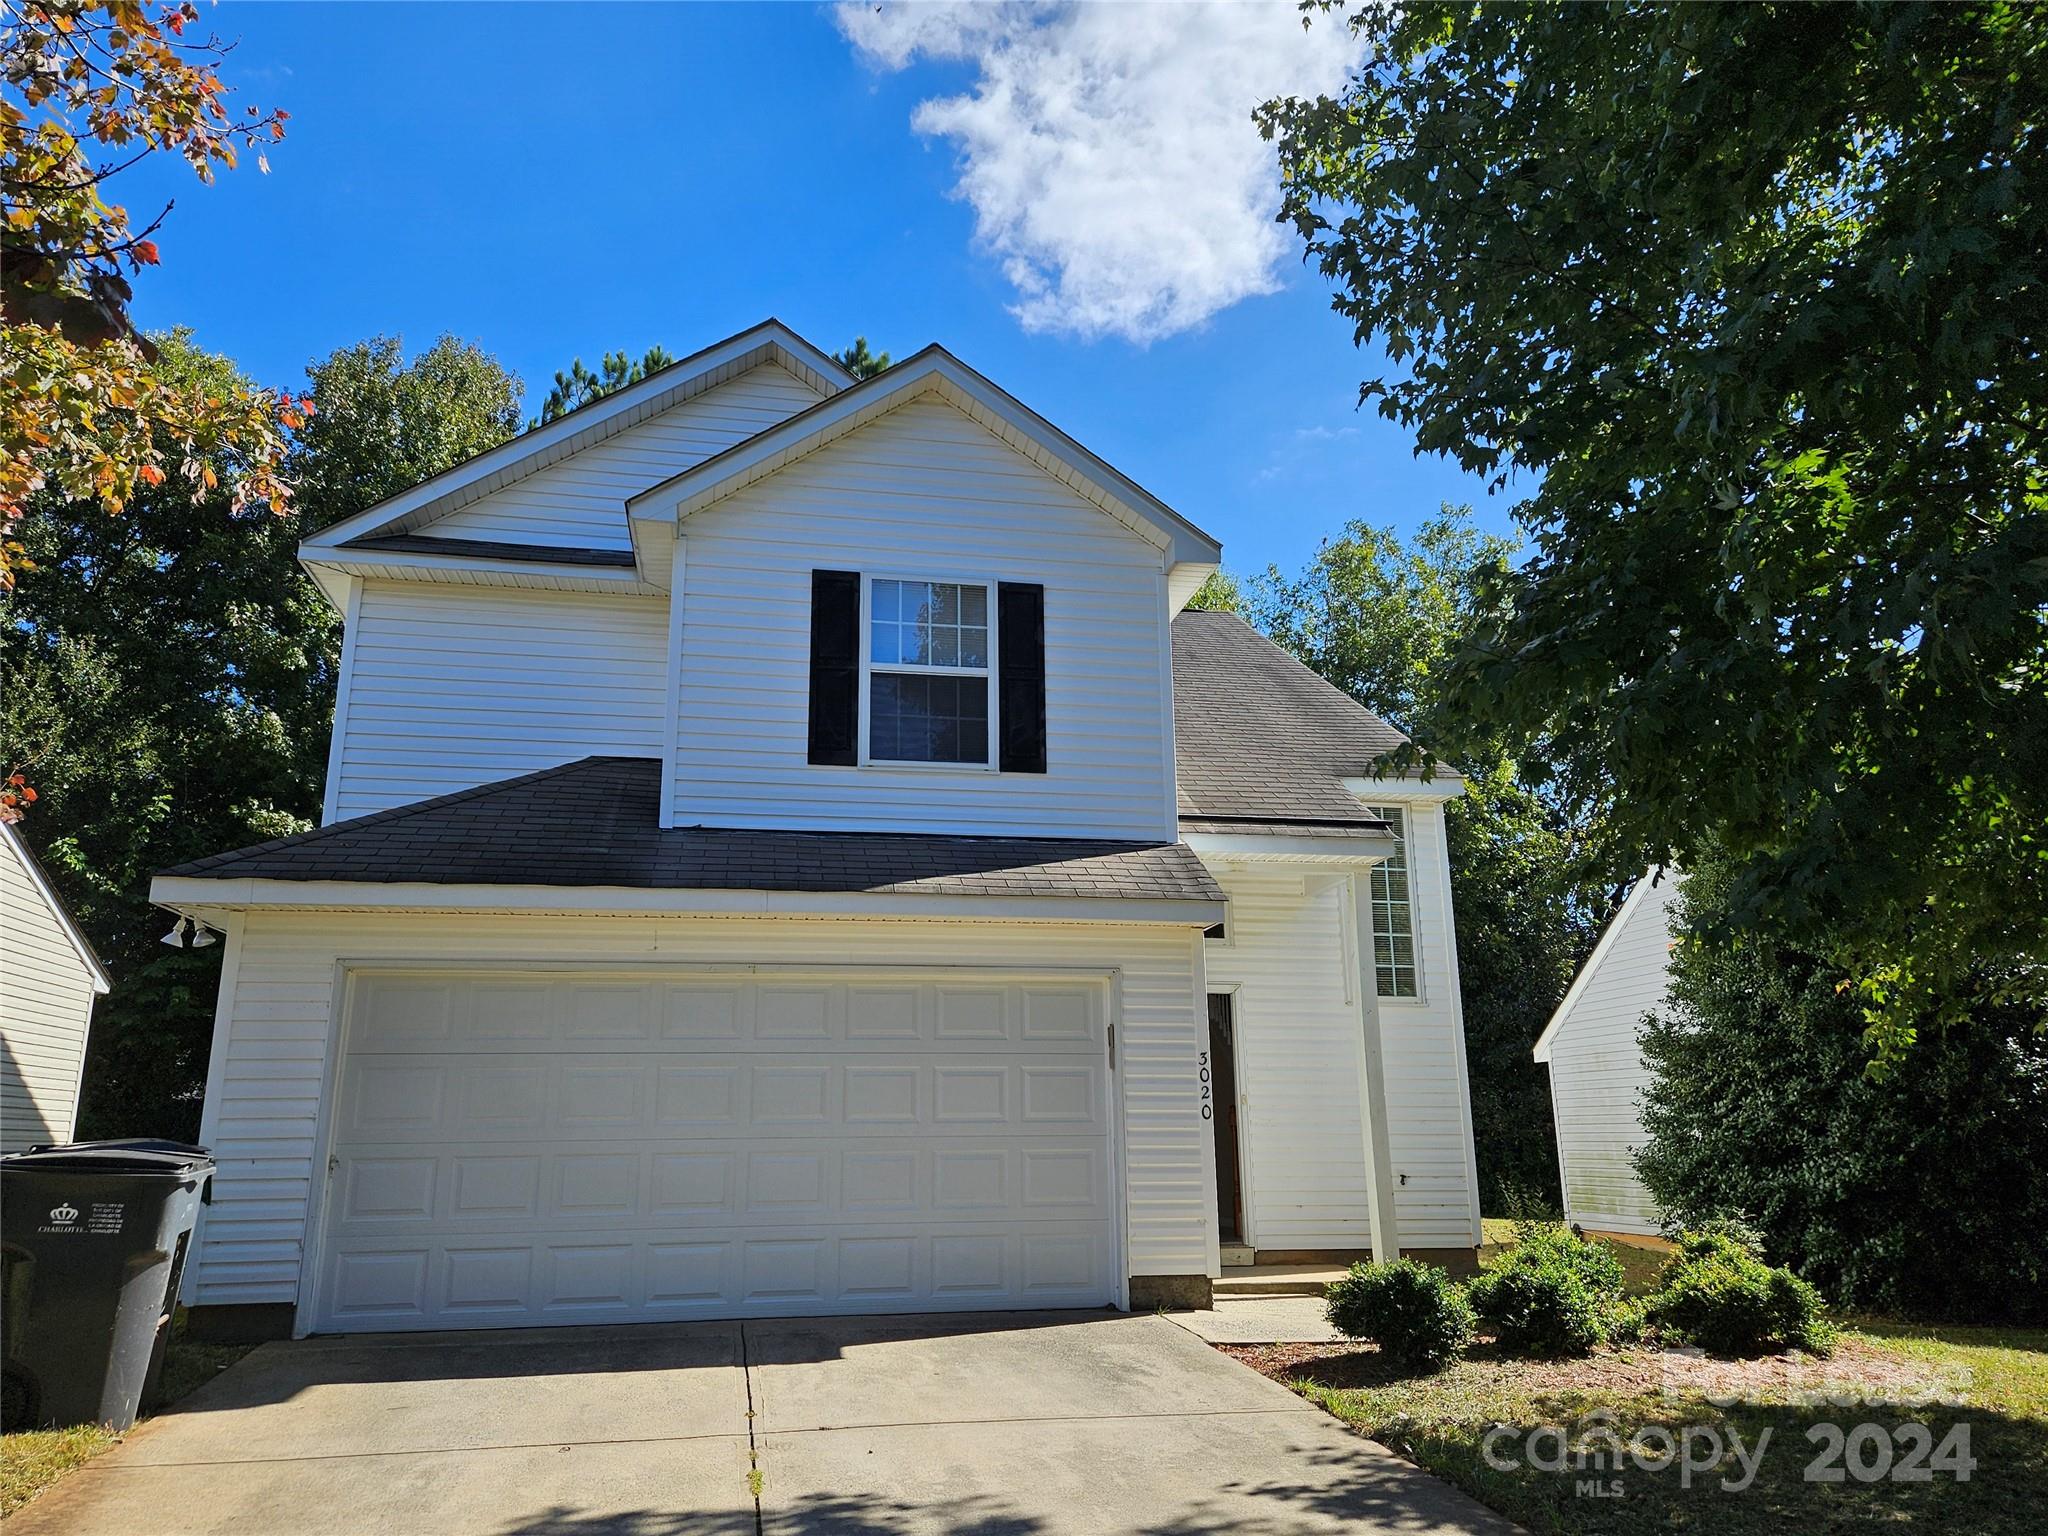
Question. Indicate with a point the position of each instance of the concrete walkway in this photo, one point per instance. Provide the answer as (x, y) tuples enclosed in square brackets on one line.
[(1007, 1425), (1260, 1319)]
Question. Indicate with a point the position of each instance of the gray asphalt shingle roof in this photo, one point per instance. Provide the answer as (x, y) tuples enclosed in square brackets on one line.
[(592, 823), (489, 549), (1258, 737)]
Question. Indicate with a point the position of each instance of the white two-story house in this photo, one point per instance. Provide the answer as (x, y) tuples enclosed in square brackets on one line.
[(787, 851)]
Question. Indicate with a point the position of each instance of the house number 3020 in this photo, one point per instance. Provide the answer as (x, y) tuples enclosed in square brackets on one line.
[(1208, 1109)]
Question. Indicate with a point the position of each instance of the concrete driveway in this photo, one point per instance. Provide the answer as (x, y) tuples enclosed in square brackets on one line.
[(1009, 1425)]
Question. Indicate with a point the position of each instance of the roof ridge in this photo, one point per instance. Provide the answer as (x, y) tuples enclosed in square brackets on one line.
[(394, 813)]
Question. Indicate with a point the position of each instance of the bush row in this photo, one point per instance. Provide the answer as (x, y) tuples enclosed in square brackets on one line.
[(1555, 1294)]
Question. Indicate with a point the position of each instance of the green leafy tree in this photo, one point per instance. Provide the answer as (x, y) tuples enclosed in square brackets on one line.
[(1221, 592), (859, 361), (171, 676), (1752, 298), (1530, 881), (382, 424), (579, 386), (1918, 1193)]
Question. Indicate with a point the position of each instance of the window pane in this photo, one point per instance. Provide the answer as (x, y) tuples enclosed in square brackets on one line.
[(928, 719), (1393, 924), (928, 624)]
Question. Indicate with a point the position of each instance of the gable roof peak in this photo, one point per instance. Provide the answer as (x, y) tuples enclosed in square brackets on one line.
[(932, 370), (770, 341)]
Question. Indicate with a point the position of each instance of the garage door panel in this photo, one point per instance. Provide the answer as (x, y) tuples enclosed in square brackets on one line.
[(456, 1097), (434, 1012), (715, 1272), (540, 1187), (513, 1149)]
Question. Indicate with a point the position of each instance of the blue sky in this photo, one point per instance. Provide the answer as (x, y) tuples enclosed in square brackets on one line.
[(559, 180)]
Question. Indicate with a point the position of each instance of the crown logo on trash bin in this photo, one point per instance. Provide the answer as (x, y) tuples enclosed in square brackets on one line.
[(64, 1214)]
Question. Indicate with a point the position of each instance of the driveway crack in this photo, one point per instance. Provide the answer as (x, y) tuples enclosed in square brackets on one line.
[(753, 1448)]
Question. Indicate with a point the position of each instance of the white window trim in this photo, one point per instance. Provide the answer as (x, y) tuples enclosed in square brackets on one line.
[(911, 669), (1421, 997)]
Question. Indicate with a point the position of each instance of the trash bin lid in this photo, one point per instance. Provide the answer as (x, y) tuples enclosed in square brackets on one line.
[(138, 1155)]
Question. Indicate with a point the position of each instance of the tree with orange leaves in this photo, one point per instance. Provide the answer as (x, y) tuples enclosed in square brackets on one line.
[(90, 89)]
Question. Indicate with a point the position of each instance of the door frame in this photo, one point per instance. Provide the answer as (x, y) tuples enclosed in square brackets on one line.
[(342, 1007), (1248, 1221)]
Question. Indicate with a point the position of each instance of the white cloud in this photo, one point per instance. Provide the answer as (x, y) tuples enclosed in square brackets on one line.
[(1108, 150)]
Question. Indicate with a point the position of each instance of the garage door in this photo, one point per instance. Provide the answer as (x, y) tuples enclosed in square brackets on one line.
[(521, 1149)]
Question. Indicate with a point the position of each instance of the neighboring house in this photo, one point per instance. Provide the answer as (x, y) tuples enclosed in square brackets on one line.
[(1597, 1072), (757, 880), (49, 977)]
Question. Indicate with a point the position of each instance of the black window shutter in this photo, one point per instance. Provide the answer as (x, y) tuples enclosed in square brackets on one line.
[(835, 667), (1020, 635)]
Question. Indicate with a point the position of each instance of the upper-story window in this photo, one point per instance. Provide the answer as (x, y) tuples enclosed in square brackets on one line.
[(926, 671), (1393, 912)]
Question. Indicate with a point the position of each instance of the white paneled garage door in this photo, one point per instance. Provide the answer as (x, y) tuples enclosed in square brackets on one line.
[(517, 1149)]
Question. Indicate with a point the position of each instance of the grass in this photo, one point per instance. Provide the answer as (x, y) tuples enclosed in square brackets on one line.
[(32, 1459), (1993, 1381)]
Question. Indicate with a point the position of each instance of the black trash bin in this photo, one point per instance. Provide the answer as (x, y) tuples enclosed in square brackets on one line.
[(92, 1241)]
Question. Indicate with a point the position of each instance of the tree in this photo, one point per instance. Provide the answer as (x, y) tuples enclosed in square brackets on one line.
[(1530, 883), (859, 361), (171, 673), (1752, 298), (1220, 591), (382, 424), (1920, 1193), (579, 386), (91, 90)]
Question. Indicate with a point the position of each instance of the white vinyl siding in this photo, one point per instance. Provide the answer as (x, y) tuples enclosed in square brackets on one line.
[(1597, 1071), (278, 1017), (1297, 1040), (453, 687), (46, 997), (1424, 1039), (1300, 1134), (922, 489), (581, 502)]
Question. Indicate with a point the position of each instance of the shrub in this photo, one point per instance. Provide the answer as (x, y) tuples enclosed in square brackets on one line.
[(1917, 1193), (1716, 1293), (1552, 1294), (1416, 1313)]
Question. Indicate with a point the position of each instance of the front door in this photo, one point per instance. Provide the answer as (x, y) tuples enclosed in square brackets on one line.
[(1223, 1079)]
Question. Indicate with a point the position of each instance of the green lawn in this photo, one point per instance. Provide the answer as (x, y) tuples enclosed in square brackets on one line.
[(1991, 1381), (32, 1459)]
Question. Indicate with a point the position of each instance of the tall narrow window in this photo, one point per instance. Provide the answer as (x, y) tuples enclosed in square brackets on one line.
[(928, 672), (1393, 915)]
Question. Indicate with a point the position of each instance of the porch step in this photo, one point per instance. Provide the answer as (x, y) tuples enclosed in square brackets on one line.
[(1236, 1254), (1276, 1279)]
